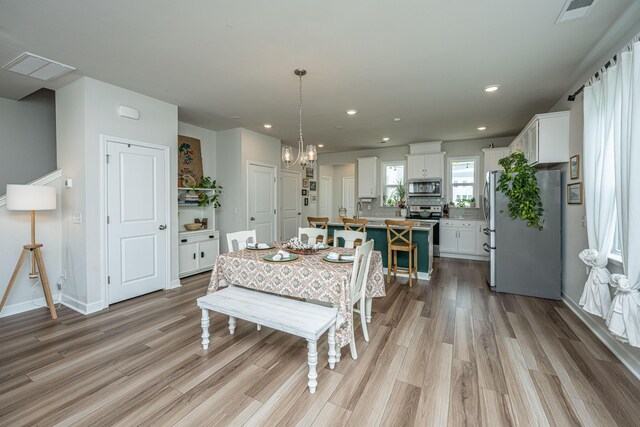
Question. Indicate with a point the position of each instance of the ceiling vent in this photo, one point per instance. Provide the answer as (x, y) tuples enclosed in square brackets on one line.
[(37, 67), (575, 9)]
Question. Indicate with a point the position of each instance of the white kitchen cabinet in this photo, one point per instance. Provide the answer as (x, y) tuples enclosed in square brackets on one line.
[(367, 173), (425, 166), (197, 251), (545, 139), (491, 158), (462, 239)]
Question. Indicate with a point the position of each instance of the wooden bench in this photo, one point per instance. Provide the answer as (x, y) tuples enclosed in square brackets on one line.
[(299, 318)]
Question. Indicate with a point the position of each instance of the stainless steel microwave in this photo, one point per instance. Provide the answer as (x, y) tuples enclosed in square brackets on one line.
[(426, 187)]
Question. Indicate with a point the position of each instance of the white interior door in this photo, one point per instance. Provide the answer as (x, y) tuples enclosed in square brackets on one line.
[(262, 207), (137, 203), (349, 194), (324, 197), (291, 204)]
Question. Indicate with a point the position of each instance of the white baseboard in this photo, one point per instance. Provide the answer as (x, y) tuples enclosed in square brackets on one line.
[(599, 328), (82, 307), (461, 256), (21, 307), (175, 284), (421, 274)]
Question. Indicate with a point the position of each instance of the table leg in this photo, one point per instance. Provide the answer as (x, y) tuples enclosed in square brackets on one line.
[(368, 302), (331, 339), (313, 361), (232, 325), (205, 328), (338, 353)]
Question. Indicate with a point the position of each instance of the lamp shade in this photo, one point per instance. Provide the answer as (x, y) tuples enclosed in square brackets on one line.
[(30, 198)]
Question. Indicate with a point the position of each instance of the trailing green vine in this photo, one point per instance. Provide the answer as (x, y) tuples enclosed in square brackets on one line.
[(206, 199), (519, 183)]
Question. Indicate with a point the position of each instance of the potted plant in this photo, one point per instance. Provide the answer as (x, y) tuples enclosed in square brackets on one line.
[(519, 183), (205, 198)]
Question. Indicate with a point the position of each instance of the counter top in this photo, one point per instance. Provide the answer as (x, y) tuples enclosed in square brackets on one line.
[(422, 225)]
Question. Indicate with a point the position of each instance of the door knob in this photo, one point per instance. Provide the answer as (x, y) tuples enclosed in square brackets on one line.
[(253, 218), (299, 213), (162, 227)]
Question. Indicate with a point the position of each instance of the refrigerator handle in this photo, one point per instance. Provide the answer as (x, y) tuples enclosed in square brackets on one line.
[(487, 231), (487, 248)]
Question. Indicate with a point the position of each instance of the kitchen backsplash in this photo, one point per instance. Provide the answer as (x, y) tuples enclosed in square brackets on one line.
[(474, 214), (374, 209)]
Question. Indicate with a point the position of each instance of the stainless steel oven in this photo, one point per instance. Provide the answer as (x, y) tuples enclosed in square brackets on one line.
[(425, 187)]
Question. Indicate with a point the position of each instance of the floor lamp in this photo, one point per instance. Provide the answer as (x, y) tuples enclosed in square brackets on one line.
[(32, 198)]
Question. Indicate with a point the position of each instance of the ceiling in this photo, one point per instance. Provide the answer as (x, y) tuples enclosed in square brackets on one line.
[(425, 61)]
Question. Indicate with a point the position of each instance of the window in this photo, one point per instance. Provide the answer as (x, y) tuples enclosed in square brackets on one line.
[(617, 242), (463, 179), (392, 175)]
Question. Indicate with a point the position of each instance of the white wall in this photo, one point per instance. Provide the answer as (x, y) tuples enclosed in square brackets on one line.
[(87, 109), (574, 233), (27, 138), (235, 149), (15, 229)]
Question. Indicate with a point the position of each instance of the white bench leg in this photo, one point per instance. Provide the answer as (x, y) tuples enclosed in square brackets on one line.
[(313, 361), (368, 303), (232, 325), (259, 327), (332, 346), (205, 328)]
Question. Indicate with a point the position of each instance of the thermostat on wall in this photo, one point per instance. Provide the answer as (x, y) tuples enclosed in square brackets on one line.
[(128, 112)]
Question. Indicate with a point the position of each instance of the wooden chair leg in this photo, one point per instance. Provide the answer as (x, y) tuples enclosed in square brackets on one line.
[(389, 267), (410, 268), (45, 283), (23, 255), (395, 265)]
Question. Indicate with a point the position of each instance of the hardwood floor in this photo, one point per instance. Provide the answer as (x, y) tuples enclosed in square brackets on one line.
[(448, 352)]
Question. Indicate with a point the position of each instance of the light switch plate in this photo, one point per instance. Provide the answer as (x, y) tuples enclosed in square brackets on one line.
[(76, 218)]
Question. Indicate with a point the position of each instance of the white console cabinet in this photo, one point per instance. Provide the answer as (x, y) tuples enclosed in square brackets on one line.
[(197, 251), (462, 239)]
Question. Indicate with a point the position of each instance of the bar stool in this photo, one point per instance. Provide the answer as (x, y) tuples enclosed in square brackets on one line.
[(358, 225), (321, 222), (397, 241)]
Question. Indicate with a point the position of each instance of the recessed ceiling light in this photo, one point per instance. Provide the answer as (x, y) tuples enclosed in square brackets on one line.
[(267, 125), (491, 88), (235, 117), (385, 139), (320, 145), (352, 112), (482, 128), (339, 127), (396, 119)]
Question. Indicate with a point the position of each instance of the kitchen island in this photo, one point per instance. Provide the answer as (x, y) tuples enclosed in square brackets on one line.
[(377, 231)]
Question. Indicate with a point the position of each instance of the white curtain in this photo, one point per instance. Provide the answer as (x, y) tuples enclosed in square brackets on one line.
[(599, 187), (624, 315)]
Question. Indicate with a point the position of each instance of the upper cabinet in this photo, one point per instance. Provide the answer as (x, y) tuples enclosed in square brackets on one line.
[(545, 139), (367, 173), (491, 158), (425, 166)]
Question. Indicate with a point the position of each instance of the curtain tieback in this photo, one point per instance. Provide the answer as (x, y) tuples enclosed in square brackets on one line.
[(597, 270), (622, 284)]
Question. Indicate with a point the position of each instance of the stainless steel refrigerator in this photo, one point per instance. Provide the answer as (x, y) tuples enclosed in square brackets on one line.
[(525, 260)]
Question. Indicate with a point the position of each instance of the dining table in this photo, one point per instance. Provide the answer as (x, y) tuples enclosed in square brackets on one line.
[(309, 277)]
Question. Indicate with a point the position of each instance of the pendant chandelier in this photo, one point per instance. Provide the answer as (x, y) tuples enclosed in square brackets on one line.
[(306, 156)]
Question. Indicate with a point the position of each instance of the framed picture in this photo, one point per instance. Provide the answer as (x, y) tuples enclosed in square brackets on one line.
[(574, 167), (304, 191), (306, 201), (189, 161), (312, 185), (314, 199), (305, 183), (574, 193), (309, 172)]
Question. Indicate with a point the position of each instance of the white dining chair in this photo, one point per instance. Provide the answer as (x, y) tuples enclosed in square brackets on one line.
[(312, 234), (349, 237), (361, 264), (241, 238)]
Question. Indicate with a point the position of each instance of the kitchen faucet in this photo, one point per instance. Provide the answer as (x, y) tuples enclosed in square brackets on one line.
[(358, 210)]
